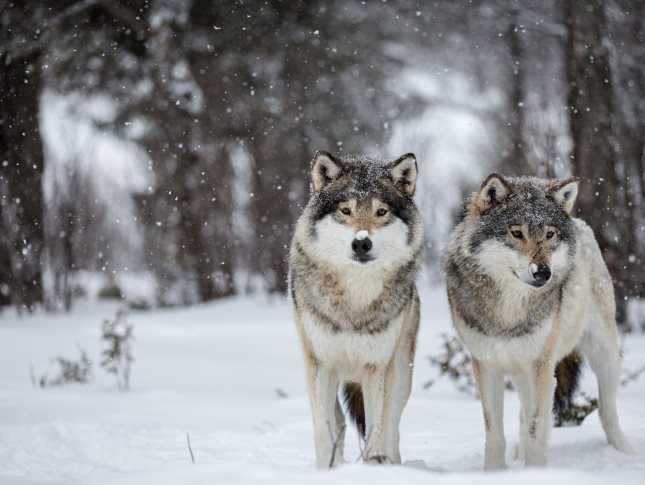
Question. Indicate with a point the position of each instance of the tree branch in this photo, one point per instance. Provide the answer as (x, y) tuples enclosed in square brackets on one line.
[(26, 49), (122, 14), (190, 448), (126, 16)]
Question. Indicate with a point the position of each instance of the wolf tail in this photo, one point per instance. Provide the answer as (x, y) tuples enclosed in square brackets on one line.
[(567, 373), (355, 406)]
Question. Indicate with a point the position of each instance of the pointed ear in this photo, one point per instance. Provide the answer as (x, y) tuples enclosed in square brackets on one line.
[(493, 191), (404, 173), (565, 193), (325, 168)]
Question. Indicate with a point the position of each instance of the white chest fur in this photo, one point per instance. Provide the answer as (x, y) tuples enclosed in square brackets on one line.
[(350, 352), (505, 352), (362, 285)]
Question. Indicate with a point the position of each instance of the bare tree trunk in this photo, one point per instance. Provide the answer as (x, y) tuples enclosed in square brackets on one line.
[(69, 218), (210, 256), (21, 168), (629, 85), (516, 162), (593, 155), (272, 220)]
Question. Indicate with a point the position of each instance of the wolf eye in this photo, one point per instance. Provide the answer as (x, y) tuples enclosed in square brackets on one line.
[(345, 211), (517, 234), (550, 234), (381, 212)]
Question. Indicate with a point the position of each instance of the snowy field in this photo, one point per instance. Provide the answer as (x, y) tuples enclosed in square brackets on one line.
[(230, 375)]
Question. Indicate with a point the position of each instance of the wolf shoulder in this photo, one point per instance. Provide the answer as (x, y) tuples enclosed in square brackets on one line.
[(586, 241), (589, 259)]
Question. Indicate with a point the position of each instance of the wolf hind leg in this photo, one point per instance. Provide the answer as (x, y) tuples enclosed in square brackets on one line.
[(600, 347), (490, 382), (323, 390)]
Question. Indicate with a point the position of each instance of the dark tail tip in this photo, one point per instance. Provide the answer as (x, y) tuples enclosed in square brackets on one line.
[(567, 374), (354, 402)]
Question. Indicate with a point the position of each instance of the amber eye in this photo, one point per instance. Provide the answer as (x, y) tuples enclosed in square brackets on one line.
[(517, 234), (381, 212), (550, 234), (345, 211)]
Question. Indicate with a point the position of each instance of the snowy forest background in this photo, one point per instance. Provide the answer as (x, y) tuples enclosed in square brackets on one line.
[(159, 149)]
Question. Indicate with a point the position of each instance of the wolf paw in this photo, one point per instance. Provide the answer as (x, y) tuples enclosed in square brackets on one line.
[(496, 466), (621, 444), (535, 460), (518, 452), (378, 460)]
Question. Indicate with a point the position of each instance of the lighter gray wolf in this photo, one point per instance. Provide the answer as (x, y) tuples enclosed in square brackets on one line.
[(352, 268), (527, 287)]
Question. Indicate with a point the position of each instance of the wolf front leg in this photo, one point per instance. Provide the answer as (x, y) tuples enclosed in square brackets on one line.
[(374, 385), (398, 386), (490, 382), (322, 384), (541, 386), (520, 383)]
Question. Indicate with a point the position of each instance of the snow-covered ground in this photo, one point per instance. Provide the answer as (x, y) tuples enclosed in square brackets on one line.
[(219, 373)]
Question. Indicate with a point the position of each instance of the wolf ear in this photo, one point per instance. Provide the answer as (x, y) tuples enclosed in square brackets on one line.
[(494, 190), (325, 168), (565, 193), (404, 173)]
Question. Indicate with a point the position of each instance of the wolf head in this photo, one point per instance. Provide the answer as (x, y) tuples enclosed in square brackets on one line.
[(361, 211), (523, 228)]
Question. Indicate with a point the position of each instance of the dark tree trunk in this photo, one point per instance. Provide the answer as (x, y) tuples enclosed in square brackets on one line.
[(216, 207), (516, 161), (272, 220), (630, 128), (594, 155), (206, 239), (21, 168), (197, 252)]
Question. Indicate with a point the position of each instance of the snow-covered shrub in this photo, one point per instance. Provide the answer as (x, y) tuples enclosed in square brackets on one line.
[(117, 357), (630, 376), (66, 371), (139, 304), (111, 292), (455, 363)]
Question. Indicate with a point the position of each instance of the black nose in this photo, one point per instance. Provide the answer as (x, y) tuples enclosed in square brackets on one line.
[(361, 247), (541, 275)]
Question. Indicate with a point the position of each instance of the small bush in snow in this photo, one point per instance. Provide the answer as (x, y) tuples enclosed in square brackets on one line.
[(630, 376), (139, 304), (455, 363), (111, 292), (66, 371), (117, 357)]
